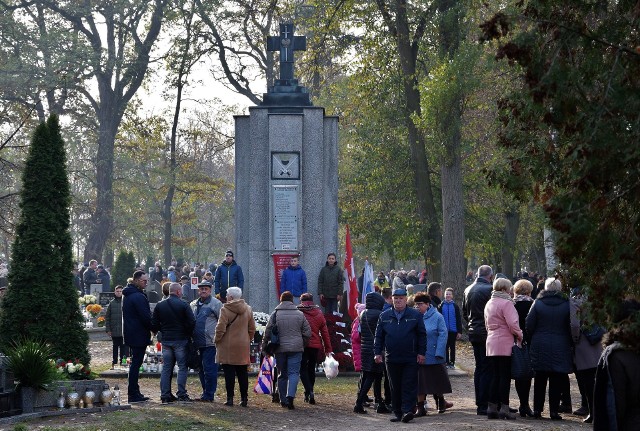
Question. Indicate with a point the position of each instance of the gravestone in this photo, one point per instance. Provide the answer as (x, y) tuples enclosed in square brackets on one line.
[(105, 298), (286, 171)]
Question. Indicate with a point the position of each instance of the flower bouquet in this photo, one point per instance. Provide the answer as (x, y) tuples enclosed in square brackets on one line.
[(87, 299), (261, 320), (101, 321), (73, 370), (94, 309)]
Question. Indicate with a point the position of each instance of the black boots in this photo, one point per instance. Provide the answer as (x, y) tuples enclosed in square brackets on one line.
[(244, 401), (359, 409), (290, 403), (420, 410), (229, 402)]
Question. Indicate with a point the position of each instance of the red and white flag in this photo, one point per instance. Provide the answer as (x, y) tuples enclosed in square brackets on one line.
[(350, 284)]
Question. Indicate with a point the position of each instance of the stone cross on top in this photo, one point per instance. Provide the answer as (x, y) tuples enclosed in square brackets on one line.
[(286, 43)]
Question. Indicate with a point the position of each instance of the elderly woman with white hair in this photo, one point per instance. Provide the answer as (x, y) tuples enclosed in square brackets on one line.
[(234, 332), (548, 325)]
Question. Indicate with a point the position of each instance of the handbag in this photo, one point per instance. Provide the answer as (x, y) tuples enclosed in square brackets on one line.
[(274, 340), (265, 381), (521, 362), (193, 355)]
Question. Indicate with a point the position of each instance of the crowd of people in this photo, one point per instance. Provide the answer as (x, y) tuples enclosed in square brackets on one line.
[(404, 342), (220, 324)]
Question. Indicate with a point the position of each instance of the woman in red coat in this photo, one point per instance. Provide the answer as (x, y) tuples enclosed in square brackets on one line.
[(319, 340)]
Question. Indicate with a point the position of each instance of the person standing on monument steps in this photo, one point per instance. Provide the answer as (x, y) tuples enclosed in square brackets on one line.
[(330, 284), (294, 279), (228, 274)]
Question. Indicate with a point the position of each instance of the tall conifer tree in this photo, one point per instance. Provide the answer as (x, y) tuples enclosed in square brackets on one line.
[(41, 302)]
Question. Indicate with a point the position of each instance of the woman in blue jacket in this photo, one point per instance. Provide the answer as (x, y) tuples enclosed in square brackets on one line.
[(432, 376)]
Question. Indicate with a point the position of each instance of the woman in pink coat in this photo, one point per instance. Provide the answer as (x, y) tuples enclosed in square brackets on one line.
[(501, 320)]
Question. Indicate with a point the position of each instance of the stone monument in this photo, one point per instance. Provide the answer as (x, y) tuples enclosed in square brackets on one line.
[(286, 172)]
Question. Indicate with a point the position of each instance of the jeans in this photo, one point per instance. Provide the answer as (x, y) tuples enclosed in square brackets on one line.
[(289, 367), (308, 369), (230, 373), (482, 375), (208, 372), (118, 344), (172, 352), (404, 390), (137, 356)]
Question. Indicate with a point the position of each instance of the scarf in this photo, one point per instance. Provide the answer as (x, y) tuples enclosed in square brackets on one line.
[(520, 298), (499, 294)]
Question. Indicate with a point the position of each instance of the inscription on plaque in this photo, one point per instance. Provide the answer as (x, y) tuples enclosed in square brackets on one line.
[(285, 217)]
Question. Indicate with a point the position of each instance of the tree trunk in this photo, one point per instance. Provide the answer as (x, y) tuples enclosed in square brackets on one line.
[(102, 218), (427, 214), (453, 266), (511, 225)]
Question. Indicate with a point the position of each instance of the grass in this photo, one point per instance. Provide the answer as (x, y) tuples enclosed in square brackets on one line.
[(174, 418)]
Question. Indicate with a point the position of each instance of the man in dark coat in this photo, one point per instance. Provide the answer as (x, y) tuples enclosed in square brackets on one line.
[(90, 276), (475, 298), (136, 329), (176, 321), (330, 284), (402, 337)]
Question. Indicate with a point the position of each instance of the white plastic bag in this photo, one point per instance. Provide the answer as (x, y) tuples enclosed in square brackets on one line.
[(330, 366)]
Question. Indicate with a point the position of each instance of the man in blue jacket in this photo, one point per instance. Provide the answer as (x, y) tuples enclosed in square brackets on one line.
[(136, 329), (206, 310), (228, 274), (294, 279), (401, 335)]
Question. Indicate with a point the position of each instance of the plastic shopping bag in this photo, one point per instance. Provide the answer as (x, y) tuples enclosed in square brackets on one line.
[(263, 386), (330, 366)]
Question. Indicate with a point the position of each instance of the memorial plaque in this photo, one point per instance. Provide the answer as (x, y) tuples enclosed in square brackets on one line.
[(105, 298), (285, 217), (285, 166)]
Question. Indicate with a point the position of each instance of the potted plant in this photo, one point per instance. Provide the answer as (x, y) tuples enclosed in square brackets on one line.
[(32, 367)]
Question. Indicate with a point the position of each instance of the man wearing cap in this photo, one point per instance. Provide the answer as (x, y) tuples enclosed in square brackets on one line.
[(206, 310), (228, 274), (402, 337)]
